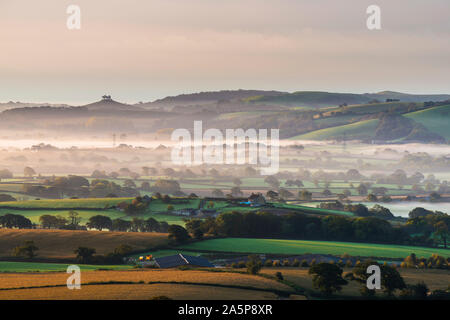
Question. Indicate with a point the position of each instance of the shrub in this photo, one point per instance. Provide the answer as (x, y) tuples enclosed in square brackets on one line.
[(304, 263), (253, 265), (268, 263), (296, 263), (286, 263)]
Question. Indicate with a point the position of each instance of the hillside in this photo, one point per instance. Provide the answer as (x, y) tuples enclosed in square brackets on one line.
[(354, 131), (429, 125), (436, 120), (318, 99), (111, 105), (201, 98)]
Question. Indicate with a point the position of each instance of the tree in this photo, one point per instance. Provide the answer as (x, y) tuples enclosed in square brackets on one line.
[(442, 231), (253, 264), (417, 291), (327, 278), (305, 195), (391, 280), (99, 222), (236, 192), (123, 250), (129, 184), (272, 181), (217, 193), (237, 182), (84, 254), (121, 225), (362, 189), (74, 218), (28, 250), (178, 234), (10, 220), (29, 172), (360, 275)]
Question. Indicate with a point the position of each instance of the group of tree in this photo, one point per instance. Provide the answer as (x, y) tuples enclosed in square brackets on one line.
[(303, 226), (101, 222)]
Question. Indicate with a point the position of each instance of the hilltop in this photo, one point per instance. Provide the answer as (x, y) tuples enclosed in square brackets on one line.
[(317, 99)]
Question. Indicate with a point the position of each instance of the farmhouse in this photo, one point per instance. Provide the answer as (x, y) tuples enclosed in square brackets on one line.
[(182, 260)]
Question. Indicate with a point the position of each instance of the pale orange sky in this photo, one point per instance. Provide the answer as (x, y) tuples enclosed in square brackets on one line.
[(144, 50)]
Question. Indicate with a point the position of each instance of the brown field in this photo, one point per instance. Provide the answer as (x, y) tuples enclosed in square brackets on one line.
[(193, 284), (434, 278), (17, 280), (137, 292), (59, 244)]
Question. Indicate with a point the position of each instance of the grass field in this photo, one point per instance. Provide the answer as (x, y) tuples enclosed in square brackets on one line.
[(358, 130), (294, 247), (62, 243), (98, 203), (434, 119)]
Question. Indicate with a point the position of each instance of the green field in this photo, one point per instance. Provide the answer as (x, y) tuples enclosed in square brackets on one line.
[(358, 130), (6, 266), (98, 203), (297, 247), (434, 119)]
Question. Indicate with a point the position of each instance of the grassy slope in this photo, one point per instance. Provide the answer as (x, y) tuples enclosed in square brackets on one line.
[(358, 130), (62, 243), (294, 247), (435, 119)]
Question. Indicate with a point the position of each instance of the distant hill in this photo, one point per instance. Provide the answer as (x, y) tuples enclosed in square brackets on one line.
[(108, 104), (18, 104), (317, 99), (209, 97), (429, 125)]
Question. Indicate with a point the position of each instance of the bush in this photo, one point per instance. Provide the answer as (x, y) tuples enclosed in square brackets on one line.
[(268, 263), (286, 263), (304, 264), (296, 263), (279, 276), (253, 265)]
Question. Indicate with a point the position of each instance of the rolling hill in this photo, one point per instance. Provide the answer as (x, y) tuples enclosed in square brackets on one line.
[(355, 131), (435, 119), (319, 99), (429, 125)]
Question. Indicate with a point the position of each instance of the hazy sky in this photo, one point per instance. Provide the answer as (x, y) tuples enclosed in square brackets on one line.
[(144, 50)]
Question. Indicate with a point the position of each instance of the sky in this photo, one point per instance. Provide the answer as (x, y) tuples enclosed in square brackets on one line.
[(138, 50)]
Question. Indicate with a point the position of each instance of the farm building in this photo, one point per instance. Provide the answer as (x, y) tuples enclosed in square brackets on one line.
[(182, 260)]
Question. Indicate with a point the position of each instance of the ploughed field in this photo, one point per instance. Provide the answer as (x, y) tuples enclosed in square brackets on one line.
[(142, 284), (194, 284), (59, 244)]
